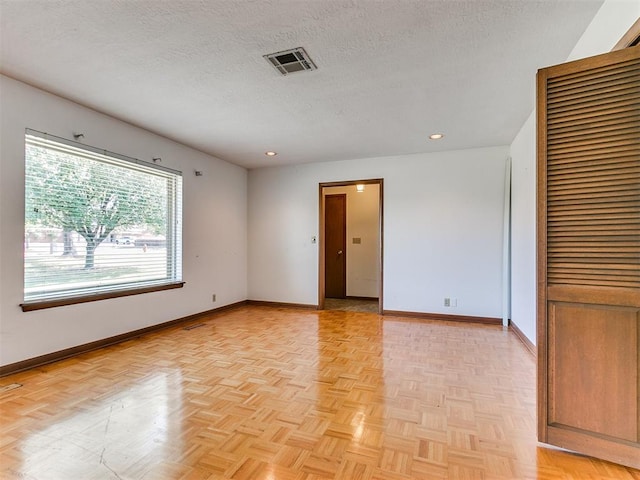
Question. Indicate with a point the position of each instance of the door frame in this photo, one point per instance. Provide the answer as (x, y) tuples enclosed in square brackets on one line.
[(321, 239)]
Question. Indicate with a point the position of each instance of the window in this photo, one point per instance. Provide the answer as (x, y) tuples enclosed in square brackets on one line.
[(97, 224)]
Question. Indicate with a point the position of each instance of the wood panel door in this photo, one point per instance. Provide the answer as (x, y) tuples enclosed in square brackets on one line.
[(589, 256), (335, 246)]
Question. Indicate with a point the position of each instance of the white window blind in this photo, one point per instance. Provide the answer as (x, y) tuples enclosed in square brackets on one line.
[(97, 222)]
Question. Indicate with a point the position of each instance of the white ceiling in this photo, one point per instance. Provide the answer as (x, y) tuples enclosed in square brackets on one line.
[(390, 72)]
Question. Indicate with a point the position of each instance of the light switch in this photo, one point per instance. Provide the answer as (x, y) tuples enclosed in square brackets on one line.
[(357, 240)]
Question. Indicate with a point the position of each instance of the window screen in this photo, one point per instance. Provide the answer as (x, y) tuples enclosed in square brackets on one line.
[(97, 222)]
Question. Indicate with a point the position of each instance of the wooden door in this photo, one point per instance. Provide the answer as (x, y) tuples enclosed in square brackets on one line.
[(589, 256), (335, 246)]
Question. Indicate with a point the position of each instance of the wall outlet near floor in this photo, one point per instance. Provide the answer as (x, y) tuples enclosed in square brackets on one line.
[(450, 302), (213, 297)]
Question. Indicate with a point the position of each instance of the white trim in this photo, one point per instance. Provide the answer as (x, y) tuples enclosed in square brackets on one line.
[(506, 246)]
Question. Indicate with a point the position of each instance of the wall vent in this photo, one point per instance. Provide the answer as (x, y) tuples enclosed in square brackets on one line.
[(291, 61)]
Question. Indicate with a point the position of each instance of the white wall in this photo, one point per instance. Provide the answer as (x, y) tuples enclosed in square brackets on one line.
[(214, 229), (442, 229), (614, 18), (363, 223), (442, 213), (523, 229)]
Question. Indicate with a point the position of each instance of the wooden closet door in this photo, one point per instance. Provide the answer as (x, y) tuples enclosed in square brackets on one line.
[(589, 256)]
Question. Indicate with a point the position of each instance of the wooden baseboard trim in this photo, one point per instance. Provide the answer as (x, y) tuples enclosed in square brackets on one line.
[(446, 317), (105, 342), (263, 303), (523, 338)]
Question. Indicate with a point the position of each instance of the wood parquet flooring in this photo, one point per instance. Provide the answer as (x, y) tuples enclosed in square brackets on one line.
[(264, 393)]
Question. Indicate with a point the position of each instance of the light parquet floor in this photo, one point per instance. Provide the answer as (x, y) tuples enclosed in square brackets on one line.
[(279, 394)]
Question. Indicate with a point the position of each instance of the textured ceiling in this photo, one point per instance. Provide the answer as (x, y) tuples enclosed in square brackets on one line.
[(389, 72)]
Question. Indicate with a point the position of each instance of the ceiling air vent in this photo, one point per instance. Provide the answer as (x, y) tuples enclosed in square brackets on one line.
[(291, 61)]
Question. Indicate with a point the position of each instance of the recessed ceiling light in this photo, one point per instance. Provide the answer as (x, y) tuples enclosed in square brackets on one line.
[(436, 136), (270, 154)]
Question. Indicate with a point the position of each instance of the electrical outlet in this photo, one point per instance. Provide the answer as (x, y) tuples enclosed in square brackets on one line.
[(447, 302), (213, 297)]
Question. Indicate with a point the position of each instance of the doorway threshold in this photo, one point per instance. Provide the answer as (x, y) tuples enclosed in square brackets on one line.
[(351, 305)]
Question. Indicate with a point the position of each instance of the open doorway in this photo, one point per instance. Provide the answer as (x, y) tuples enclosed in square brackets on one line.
[(350, 249)]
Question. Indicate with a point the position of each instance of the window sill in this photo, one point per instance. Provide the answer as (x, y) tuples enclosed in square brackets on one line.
[(31, 306)]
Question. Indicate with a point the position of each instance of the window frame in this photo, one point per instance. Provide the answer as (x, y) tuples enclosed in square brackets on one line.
[(119, 289)]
